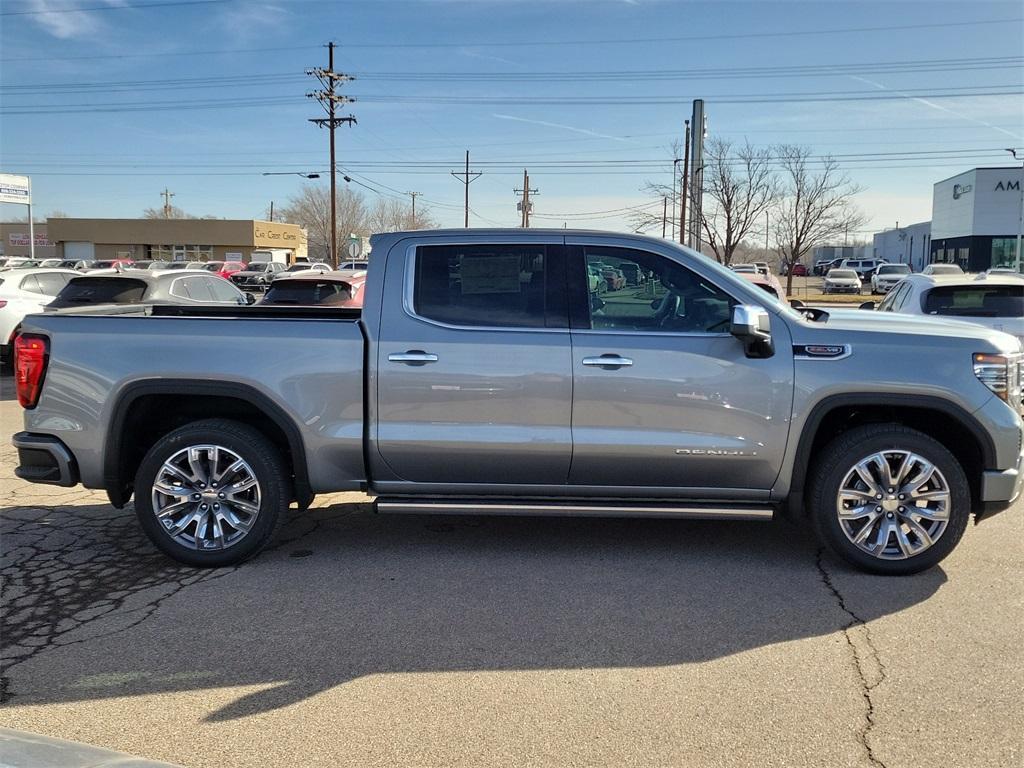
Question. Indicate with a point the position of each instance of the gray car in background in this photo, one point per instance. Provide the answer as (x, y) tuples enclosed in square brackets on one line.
[(483, 376)]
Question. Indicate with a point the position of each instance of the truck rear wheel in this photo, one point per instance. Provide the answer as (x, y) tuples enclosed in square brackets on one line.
[(211, 493), (889, 499)]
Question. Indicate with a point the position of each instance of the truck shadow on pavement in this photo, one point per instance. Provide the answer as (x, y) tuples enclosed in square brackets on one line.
[(93, 612)]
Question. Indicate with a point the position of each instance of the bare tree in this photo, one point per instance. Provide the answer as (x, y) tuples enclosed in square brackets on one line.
[(311, 209), (738, 189), (649, 216), (158, 213), (816, 205), (390, 214)]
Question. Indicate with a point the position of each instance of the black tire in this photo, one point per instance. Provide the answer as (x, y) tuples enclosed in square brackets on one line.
[(839, 457), (267, 466)]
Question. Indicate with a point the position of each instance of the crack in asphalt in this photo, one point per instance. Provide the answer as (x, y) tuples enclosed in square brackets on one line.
[(867, 663), (63, 569)]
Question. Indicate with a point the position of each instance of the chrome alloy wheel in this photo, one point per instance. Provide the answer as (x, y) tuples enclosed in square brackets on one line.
[(893, 504), (206, 497)]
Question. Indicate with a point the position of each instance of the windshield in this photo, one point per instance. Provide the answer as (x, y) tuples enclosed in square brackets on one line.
[(302, 291), (894, 269), (976, 301), (946, 269)]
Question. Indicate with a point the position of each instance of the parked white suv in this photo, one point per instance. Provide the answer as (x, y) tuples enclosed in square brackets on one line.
[(863, 267), (25, 292), (995, 301), (887, 275)]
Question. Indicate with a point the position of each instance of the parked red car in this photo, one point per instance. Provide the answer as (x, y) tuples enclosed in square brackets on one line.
[(226, 268), (799, 270)]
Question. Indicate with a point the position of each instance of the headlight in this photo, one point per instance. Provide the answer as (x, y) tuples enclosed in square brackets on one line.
[(1002, 375)]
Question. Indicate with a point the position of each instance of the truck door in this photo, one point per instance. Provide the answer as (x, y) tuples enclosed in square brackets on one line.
[(474, 372), (664, 396)]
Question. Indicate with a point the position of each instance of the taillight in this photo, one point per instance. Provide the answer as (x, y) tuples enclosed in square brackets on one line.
[(31, 354), (3, 303)]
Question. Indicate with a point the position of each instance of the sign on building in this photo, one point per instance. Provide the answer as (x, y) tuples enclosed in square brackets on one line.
[(15, 189), (22, 238)]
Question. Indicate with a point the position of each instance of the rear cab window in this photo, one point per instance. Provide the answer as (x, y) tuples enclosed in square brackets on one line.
[(101, 290), (975, 301), (306, 292)]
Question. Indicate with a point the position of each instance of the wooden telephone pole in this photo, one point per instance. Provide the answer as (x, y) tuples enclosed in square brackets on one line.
[(329, 99), (526, 192), (466, 178)]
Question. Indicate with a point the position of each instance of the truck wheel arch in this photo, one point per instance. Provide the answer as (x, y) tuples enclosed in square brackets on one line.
[(121, 456), (975, 445)]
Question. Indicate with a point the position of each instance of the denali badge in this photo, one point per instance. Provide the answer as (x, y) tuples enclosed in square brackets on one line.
[(820, 351), (712, 452)]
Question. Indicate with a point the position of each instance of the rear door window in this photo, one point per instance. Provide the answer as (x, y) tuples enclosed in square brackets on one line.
[(513, 286)]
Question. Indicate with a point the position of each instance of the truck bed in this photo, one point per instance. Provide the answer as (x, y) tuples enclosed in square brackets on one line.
[(306, 361)]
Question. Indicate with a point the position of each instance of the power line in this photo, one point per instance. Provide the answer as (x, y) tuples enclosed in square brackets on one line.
[(693, 38), (122, 7), (261, 79), (166, 55)]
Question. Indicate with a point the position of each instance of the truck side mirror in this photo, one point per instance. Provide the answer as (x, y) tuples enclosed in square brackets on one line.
[(249, 299), (867, 305), (752, 325)]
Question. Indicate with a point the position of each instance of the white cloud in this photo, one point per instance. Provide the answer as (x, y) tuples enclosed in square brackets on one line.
[(246, 20), (64, 24), (546, 124)]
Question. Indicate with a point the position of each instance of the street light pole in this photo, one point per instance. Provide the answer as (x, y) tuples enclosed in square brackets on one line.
[(1020, 218)]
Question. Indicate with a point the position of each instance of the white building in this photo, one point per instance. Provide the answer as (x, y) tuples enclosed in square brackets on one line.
[(976, 216), (905, 245)]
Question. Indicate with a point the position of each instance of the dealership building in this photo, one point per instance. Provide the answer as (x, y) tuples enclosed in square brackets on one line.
[(173, 239), (976, 216), (904, 245)]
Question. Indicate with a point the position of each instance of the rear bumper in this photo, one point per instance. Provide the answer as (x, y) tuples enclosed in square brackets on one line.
[(44, 459)]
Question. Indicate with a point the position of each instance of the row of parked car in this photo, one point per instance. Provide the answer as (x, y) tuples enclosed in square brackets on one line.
[(26, 290)]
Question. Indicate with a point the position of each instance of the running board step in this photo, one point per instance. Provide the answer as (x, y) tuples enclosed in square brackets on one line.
[(581, 508)]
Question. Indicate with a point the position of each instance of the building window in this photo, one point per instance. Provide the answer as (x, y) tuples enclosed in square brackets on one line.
[(1004, 252), (963, 256), (180, 252)]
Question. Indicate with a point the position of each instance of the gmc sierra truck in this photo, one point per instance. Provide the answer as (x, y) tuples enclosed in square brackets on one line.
[(489, 374)]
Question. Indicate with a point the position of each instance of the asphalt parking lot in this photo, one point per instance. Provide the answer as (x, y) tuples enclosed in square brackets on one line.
[(370, 640)]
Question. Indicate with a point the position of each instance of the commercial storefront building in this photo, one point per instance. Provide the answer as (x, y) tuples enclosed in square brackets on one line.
[(174, 239), (976, 216), (904, 245)]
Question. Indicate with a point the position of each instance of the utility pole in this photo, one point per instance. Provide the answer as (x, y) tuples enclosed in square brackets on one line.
[(167, 202), (414, 195), (1018, 262), (697, 182), (664, 216), (467, 178), (271, 210), (525, 204), (329, 99), (685, 187)]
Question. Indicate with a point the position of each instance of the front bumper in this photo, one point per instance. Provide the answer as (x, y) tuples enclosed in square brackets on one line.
[(44, 459), (1000, 489)]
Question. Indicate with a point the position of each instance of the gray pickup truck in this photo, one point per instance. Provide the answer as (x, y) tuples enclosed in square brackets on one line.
[(519, 372)]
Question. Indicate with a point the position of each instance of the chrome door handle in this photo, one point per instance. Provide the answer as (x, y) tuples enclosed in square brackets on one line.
[(412, 357), (608, 361)]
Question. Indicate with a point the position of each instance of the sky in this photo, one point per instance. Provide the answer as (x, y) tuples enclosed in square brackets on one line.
[(106, 103)]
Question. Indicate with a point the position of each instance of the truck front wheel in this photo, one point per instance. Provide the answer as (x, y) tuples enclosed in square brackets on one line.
[(211, 493), (889, 499)]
